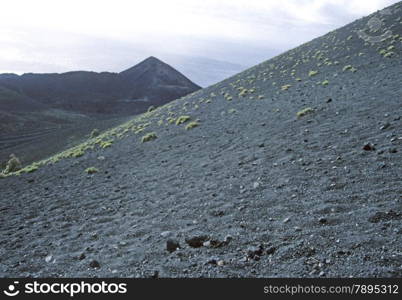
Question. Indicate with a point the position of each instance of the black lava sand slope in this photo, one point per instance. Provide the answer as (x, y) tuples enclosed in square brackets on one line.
[(249, 189)]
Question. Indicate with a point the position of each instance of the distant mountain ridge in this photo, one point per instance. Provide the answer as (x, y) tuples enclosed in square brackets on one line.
[(151, 81)]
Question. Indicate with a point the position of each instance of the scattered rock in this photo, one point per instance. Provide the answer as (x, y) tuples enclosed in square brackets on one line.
[(255, 252), (368, 147), (220, 263), (286, 220), (256, 185), (385, 216), (197, 241), (48, 258), (94, 264), (270, 250), (385, 126), (323, 220), (172, 245), (166, 233)]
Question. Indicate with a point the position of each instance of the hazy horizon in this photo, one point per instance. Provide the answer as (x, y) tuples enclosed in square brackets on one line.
[(47, 36)]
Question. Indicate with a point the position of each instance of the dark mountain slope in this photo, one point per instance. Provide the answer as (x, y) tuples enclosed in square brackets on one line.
[(64, 108), (90, 92), (155, 80), (294, 169)]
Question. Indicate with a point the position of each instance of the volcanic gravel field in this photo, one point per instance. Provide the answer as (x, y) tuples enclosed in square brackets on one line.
[(292, 168)]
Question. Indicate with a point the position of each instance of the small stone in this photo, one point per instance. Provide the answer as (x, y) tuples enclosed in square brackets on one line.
[(368, 147), (166, 233), (256, 185), (94, 264), (207, 244), (286, 220), (329, 100), (255, 252), (385, 126), (212, 261), (220, 263), (228, 238), (172, 245), (197, 241), (271, 250), (323, 221), (48, 258)]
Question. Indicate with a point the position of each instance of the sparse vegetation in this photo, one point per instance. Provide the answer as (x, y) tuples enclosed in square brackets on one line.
[(149, 137), (182, 119), (325, 82), (312, 73), (304, 111), (94, 133), (285, 87), (105, 144), (91, 170), (192, 124), (13, 165)]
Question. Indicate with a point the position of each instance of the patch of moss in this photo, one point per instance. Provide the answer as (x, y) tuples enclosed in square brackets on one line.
[(192, 124), (170, 120), (389, 54), (182, 119), (304, 111), (13, 165), (148, 137), (94, 133), (91, 170), (105, 144)]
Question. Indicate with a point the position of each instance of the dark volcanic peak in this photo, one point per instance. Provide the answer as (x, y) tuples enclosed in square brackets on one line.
[(289, 169), (150, 62), (151, 82)]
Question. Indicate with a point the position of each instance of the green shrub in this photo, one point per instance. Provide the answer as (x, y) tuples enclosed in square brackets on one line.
[(182, 119), (91, 170), (304, 111), (94, 133), (285, 87), (192, 124), (170, 120), (312, 73), (13, 165), (325, 82), (350, 68), (30, 169), (148, 137), (105, 144), (76, 153)]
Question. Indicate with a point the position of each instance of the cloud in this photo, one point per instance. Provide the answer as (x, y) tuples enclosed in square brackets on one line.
[(48, 35)]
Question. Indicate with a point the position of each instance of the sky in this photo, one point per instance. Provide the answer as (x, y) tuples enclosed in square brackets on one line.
[(45, 36)]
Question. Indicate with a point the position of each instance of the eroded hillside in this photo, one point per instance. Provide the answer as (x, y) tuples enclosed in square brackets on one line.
[(291, 168)]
